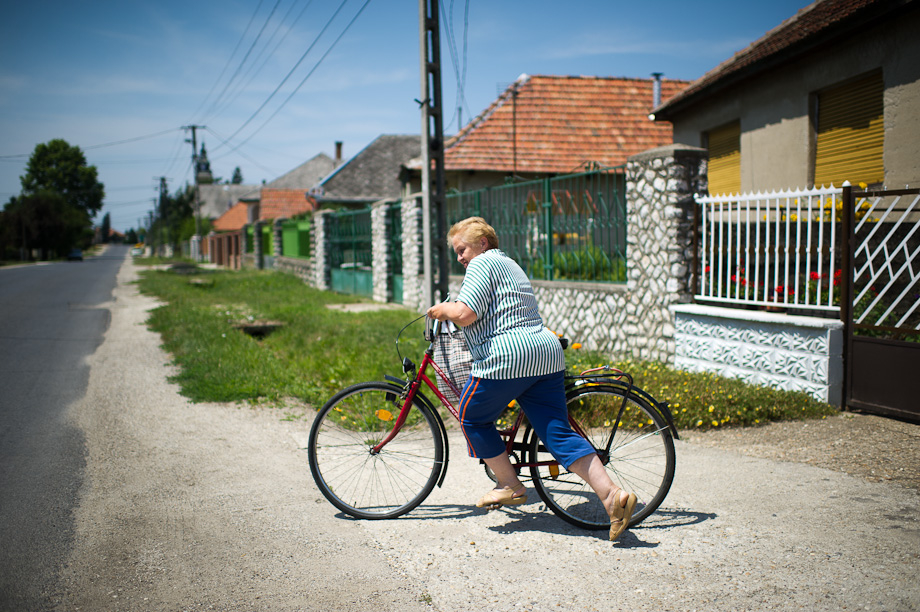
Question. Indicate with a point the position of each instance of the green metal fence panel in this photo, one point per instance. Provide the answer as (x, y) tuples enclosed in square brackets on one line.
[(570, 227), (394, 235), (267, 240), (295, 238), (250, 241), (350, 252)]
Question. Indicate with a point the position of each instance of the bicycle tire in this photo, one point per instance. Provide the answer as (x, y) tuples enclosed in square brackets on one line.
[(641, 459), (363, 484)]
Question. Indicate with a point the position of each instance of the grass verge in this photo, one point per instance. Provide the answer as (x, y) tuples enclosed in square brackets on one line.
[(316, 351)]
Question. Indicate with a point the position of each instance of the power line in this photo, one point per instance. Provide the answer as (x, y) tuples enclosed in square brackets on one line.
[(241, 154), (291, 72), (309, 74), (245, 57), (230, 59), (253, 74), (105, 144)]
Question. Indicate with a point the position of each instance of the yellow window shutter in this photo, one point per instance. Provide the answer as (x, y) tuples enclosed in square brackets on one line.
[(725, 159), (851, 133)]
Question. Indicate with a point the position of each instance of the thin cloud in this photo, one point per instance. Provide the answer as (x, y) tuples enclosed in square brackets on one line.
[(592, 46)]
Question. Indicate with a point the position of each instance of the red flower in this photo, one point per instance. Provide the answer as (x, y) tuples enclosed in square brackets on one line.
[(815, 276)]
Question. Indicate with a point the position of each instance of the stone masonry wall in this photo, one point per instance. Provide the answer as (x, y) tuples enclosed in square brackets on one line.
[(302, 268), (634, 320)]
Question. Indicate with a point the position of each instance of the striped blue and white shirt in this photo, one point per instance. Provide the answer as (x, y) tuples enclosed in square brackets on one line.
[(508, 339)]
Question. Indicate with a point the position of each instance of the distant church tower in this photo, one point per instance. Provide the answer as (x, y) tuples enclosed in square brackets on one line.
[(203, 174)]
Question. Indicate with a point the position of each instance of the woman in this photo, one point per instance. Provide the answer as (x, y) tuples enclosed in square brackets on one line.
[(515, 357)]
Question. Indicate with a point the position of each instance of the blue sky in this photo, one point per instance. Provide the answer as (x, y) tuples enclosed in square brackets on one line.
[(106, 71)]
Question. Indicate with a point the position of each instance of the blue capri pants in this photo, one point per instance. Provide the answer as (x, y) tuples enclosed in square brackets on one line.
[(543, 400)]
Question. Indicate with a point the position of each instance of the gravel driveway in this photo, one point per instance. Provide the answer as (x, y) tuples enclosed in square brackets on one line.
[(211, 506)]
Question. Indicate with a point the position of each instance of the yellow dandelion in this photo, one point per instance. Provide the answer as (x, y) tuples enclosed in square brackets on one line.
[(711, 407), (715, 423), (699, 423)]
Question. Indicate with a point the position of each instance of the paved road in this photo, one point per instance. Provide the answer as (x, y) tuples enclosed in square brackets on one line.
[(211, 506), (51, 321)]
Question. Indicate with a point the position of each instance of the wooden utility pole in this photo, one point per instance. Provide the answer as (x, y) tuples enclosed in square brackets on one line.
[(433, 191)]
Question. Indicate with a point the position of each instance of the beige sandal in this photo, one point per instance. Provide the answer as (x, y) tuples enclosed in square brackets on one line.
[(496, 498), (620, 515)]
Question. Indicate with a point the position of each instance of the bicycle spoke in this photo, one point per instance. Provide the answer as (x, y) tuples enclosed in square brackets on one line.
[(367, 484), (640, 460)]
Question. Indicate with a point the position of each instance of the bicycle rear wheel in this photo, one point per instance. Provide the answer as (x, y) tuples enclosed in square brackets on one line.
[(641, 458), (371, 485)]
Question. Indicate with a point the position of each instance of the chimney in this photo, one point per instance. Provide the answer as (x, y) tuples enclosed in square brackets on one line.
[(656, 89), (338, 151)]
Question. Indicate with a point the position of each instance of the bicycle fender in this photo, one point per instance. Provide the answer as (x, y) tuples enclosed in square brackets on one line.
[(662, 407)]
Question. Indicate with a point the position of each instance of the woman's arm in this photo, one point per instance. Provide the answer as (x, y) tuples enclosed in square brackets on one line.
[(456, 312)]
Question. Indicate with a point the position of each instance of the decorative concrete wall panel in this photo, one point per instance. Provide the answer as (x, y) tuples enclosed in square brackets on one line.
[(786, 352)]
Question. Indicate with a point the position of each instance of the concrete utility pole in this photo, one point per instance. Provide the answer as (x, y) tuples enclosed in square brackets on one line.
[(433, 192), (196, 239), (164, 225)]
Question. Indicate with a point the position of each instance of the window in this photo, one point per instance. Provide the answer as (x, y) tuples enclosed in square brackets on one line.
[(725, 159), (850, 133)]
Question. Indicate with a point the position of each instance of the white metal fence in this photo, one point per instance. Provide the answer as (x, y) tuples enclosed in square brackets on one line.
[(771, 250)]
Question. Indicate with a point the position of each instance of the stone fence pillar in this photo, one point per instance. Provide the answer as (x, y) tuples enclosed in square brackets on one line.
[(277, 236), (660, 184), (257, 244), (413, 273), (380, 247), (321, 261)]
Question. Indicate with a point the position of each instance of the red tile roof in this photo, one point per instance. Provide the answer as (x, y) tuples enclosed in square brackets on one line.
[(277, 203), (808, 28), (560, 123), (234, 219)]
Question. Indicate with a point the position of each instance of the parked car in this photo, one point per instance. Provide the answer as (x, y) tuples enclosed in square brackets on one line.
[(75, 255)]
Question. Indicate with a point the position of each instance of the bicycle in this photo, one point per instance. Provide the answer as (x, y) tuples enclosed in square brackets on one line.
[(377, 449)]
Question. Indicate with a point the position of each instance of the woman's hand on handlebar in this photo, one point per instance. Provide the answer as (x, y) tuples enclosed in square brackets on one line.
[(458, 312)]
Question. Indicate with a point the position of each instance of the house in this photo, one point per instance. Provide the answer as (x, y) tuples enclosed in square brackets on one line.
[(215, 199), (371, 175), (285, 197), (830, 94), (550, 125)]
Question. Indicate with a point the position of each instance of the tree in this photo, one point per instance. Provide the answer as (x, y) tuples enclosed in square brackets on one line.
[(45, 221), (60, 168), (237, 176), (106, 227)]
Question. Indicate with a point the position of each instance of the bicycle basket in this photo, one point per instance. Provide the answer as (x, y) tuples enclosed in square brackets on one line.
[(454, 358)]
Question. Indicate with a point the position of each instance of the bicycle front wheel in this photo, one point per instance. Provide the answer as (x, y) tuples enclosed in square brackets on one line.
[(640, 460), (367, 484)]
